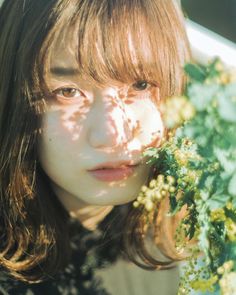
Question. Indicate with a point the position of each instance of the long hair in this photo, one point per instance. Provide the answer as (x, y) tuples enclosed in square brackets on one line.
[(33, 223)]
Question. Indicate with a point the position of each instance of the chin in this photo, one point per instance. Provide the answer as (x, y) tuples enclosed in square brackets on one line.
[(111, 202)]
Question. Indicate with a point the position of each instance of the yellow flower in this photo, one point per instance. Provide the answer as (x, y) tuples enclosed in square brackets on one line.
[(228, 284), (160, 178), (177, 110), (230, 229), (152, 183), (204, 285), (226, 267), (181, 158), (170, 179), (149, 205), (136, 204), (187, 112), (218, 215)]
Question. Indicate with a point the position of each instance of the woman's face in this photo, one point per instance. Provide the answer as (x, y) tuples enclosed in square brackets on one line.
[(92, 137)]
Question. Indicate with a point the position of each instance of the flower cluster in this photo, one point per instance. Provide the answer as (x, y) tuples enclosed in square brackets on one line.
[(220, 215), (158, 189), (228, 279), (205, 285), (197, 169), (177, 110)]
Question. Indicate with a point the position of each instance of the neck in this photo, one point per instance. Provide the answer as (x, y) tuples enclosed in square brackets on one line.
[(90, 216)]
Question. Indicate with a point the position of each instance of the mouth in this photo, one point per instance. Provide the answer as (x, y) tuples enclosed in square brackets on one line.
[(117, 173)]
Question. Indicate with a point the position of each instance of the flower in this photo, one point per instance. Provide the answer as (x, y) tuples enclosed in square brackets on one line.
[(218, 215), (177, 110), (230, 229), (228, 283), (204, 285), (196, 165)]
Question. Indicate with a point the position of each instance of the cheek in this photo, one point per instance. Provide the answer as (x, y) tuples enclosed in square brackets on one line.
[(56, 146), (150, 127), (64, 124), (51, 142), (58, 139)]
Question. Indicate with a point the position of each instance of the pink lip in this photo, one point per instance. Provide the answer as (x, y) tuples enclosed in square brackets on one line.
[(113, 174)]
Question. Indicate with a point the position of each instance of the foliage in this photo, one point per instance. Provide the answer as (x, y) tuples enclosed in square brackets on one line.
[(197, 169)]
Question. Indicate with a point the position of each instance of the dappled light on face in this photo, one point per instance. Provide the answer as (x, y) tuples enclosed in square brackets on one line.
[(80, 137), (70, 119), (70, 116), (113, 128), (93, 126)]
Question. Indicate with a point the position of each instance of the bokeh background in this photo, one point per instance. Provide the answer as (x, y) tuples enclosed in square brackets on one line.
[(216, 15)]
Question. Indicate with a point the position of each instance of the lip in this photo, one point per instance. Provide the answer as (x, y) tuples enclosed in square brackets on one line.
[(115, 173)]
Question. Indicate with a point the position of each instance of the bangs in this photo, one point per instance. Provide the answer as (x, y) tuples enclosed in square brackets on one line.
[(119, 41), (117, 46)]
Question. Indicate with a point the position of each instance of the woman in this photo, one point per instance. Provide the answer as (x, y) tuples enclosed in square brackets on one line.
[(81, 84)]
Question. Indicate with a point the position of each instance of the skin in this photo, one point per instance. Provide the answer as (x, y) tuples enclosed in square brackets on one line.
[(85, 125)]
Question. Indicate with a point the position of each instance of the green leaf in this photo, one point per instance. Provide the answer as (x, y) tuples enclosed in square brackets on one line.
[(209, 181), (232, 186), (191, 231), (230, 90), (230, 214), (212, 70), (231, 251), (217, 201), (234, 202), (151, 152), (227, 107), (223, 156), (196, 72), (202, 95)]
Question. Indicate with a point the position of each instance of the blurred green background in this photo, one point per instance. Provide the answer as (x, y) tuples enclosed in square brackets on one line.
[(216, 15)]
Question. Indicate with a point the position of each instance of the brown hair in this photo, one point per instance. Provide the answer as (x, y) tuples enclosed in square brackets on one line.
[(33, 223)]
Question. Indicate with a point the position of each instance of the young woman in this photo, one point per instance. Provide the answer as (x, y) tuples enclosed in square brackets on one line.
[(80, 86)]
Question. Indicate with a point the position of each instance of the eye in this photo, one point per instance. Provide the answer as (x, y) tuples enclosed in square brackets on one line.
[(140, 85), (68, 92)]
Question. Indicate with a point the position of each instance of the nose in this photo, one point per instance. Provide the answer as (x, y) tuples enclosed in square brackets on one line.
[(110, 126)]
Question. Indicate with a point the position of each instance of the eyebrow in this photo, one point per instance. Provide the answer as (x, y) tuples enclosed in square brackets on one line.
[(62, 72)]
